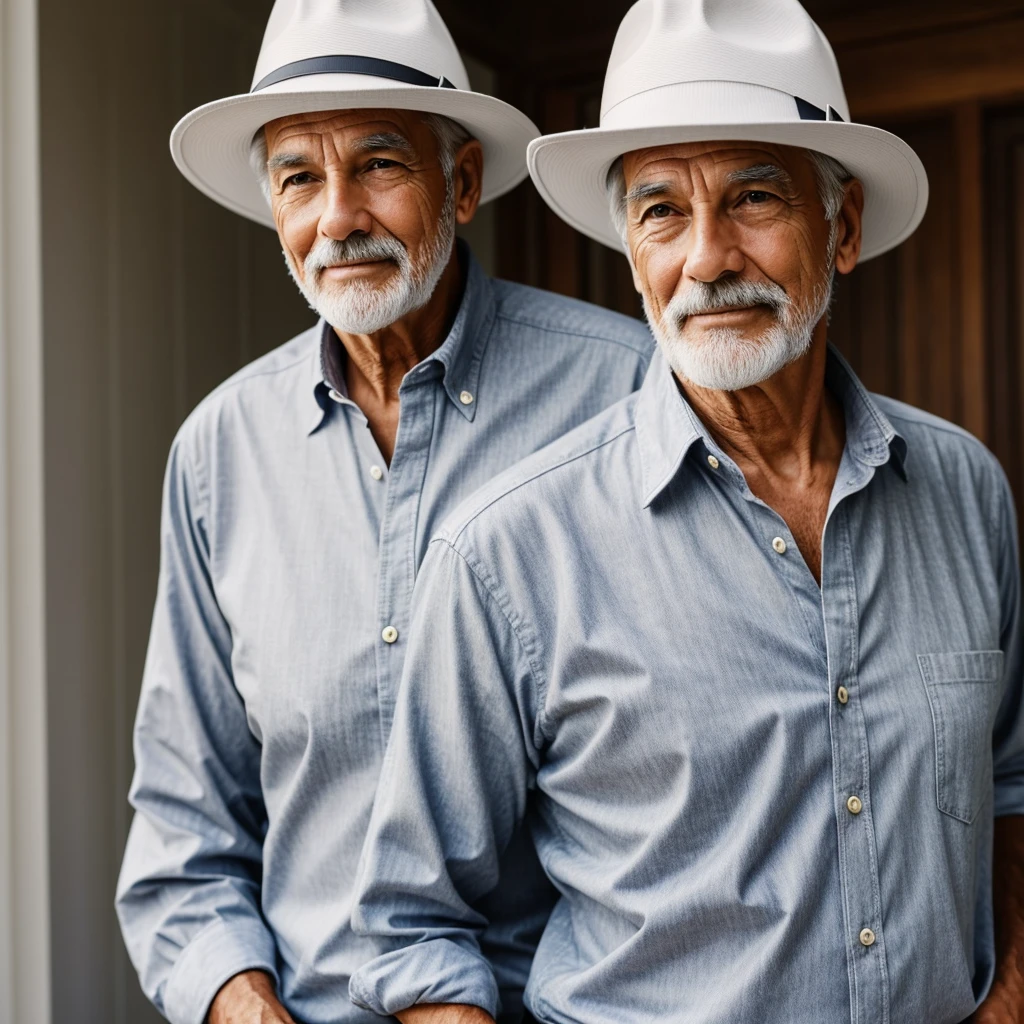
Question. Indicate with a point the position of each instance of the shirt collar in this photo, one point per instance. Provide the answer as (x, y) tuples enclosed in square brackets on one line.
[(459, 356), (462, 352), (667, 427), (870, 436)]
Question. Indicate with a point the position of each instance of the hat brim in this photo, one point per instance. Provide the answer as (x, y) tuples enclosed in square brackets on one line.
[(211, 145), (570, 170)]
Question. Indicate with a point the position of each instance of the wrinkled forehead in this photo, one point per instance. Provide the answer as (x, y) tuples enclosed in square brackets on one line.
[(340, 125), (707, 162)]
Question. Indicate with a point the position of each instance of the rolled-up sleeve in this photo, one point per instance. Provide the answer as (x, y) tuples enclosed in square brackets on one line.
[(453, 794), (1008, 736), (188, 894)]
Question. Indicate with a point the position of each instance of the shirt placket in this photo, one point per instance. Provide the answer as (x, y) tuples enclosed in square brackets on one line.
[(851, 779), (397, 561), (834, 628)]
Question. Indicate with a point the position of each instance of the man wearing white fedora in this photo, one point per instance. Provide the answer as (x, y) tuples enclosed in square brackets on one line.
[(746, 648), (300, 497)]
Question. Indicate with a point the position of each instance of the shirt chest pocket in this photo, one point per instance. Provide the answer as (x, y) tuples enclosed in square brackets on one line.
[(963, 692)]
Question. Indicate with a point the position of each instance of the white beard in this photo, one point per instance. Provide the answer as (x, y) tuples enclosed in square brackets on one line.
[(724, 358), (363, 308)]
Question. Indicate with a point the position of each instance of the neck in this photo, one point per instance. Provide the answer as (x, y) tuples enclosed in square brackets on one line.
[(786, 426), (378, 362)]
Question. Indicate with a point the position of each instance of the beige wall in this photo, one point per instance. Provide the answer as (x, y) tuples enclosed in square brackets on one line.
[(151, 296)]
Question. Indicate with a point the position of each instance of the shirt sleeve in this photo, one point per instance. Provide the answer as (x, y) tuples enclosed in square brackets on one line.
[(188, 894), (453, 794), (1008, 735)]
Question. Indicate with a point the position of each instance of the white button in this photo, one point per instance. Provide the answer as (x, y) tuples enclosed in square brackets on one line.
[(466, 398), (713, 462), (389, 634), (842, 695), (376, 472), (853, 805), (337, 396), (780, 545), (867, 937)]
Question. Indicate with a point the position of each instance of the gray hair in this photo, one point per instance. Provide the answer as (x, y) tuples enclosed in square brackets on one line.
[(450, 135), (832, 177)]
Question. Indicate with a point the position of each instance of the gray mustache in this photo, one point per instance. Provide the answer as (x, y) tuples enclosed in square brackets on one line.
[(332, 252), (707, 297)]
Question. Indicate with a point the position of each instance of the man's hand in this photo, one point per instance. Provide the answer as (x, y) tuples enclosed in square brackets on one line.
[(1005, 1002), (248, 998), (444, 1013)]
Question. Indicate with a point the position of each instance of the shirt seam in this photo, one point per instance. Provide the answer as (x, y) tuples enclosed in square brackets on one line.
[(588, 336), (935, 423), (453, 537), (244, 377), (1001, 523), (485, 580), (193, 468)]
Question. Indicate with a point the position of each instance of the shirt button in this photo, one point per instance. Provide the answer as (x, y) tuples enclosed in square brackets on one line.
[(853, 805), (376, 472), (713, 462), (389, 634), (842, 695), (867, 937), (780, 545), (466, 398), (336, 395)]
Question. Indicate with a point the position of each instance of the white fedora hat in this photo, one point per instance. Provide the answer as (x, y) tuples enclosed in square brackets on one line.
[(345, 55), (704, 70)]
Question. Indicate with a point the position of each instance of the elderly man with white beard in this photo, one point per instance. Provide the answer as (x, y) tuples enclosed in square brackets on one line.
[(300, 497), (744, 652)]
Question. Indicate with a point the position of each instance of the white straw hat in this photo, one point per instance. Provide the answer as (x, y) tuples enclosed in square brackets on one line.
[(346, 55), (704, 70)]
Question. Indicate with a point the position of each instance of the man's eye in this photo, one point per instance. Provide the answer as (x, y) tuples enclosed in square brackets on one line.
[(757, 198), (302, 178), (659, 211), (381, 164)]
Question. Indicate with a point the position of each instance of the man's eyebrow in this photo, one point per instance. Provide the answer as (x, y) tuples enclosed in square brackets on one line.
[(367, 144), (761, 174), (383, 140), (648, 190), (285, 160)]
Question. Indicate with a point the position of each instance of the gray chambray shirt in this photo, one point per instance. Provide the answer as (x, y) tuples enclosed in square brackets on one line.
[(760, 801), (289, 552)]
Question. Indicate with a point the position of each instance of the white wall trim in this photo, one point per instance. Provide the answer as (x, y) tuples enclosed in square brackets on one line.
[(24, 862)]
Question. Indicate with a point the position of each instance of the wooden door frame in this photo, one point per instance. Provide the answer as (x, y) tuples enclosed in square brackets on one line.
[(25, 971)]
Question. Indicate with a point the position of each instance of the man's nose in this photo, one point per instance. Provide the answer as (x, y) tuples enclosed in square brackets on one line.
[(713, 250), (345, 211)]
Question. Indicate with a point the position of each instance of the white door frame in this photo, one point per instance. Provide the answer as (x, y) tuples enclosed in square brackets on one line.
[(25, 974)]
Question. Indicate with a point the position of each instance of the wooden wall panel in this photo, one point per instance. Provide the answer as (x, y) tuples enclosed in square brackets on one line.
[(927, 69), (1004, 137), (898, 317)]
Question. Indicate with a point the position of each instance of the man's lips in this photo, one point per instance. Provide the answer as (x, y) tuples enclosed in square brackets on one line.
[(355, 265), (730, 311)]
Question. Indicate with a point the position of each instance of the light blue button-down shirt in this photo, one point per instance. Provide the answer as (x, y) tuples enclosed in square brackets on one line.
[(619, 644), (289, 551)]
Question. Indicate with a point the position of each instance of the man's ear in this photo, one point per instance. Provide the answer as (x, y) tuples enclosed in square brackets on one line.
[(848, 241), (469, 180)]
